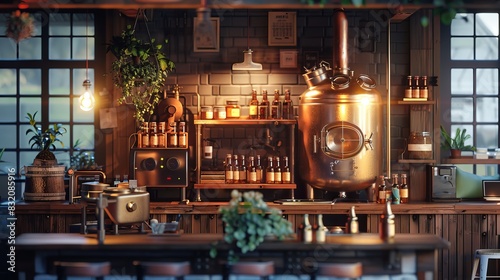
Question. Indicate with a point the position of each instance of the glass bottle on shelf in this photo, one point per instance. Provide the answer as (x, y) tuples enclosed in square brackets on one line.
[(252, 171), (278, 178), (287, 106), (264, 106), (153, 135), (139, 136), (415, 91), (403, 192), (236, 170), (253, 110), (228, 170), (243, 170), (395, 189), (182, 135), (409, 88), (162, 137), (424, 90), (285, 173), (381, 189), (276, 106), (270, 171), (172, 135), (145, 135), (259, 170)]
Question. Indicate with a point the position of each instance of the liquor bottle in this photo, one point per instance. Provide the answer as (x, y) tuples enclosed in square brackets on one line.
[(285, 172), (117, 180), (264, 106), (288, 106), (395, 189), (236, 170), (321, 230), (352, 225), (145, 135), (278, 178), (252, 171), (172, 135), (228, 169), (243, 170), (408, 89), (259, 170), (276, 106), (270, 171), (253, 112), (415, 90), (162, 137), (182, 135), (153, 135), (307, 229), (139, 136), (403, 189), (387, 225), (381, 189), (424, 90)]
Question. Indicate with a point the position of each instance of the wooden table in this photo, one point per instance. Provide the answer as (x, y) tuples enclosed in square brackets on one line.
[(406, 254)]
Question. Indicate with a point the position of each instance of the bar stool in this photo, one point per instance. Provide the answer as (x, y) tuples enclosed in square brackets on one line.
[(482, 256), (159, 268), (90, 269), (346, 270), (262, 269)]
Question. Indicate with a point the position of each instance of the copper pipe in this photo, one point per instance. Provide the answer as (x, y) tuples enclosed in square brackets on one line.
[(340, 41)]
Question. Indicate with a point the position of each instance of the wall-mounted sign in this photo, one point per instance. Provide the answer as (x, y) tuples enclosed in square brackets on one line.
[(282, 29), (288, 58), (206, 35)]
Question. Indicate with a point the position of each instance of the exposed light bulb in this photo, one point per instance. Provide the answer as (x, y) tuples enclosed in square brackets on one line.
[(87, 100)]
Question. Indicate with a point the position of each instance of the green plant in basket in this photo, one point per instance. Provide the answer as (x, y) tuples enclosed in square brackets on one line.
[(44, 140), (248, 220)]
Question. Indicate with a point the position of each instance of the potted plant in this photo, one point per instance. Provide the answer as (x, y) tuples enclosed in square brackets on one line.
[(248, 220), (139, 71), (456, 144), (44, 141)]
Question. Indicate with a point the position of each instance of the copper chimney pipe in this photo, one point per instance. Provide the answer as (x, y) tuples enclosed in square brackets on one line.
[(340, 41)]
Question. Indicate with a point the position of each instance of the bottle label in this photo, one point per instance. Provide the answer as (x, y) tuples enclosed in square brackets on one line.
[(154, 140), (277, 177), (403, 193), (229, 175), (253, 177), (236, 176), (408, 93), (145, 140), (182, 140), (269, 177), (253, 111), (286, 177), (415, 93), (420, 147)]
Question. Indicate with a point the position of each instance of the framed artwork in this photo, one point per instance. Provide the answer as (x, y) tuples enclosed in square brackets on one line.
[(282, 29), (288, 58), (206, 38)]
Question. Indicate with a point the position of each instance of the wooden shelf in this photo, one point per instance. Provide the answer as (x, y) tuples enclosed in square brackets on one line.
[(429, 102), (243, 121), (243, 186), (471, 160), (416, 161)]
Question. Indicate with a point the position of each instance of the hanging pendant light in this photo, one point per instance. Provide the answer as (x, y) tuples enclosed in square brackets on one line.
[(247, 64), (87, 101)]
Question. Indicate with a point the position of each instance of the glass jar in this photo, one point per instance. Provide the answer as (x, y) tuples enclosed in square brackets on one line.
[(207, 113), (420, 145), (219, 113), (233, 110)]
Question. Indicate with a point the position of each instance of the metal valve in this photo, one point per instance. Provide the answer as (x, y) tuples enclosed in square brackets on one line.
[(369, 141)]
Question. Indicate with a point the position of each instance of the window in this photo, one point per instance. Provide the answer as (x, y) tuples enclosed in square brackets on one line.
[(471, 55), (44, 74)]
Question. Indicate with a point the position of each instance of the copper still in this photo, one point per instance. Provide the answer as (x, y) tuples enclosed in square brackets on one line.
[(340, 123)]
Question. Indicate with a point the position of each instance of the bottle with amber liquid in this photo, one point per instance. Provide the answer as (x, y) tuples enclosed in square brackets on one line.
[(424, 90), (287, 106), (408, 89), (182, 135), (264, 106), (145, 135), (173, 140), (253, 110), (270, 171), (285, 173), (415, 90), (395, 189), (381, 189), (228, 169), (243, 170), (252, 171), (276, 106), (153, 135), (236, 170), (162, 137), (403, 189), (259, 170), (278, 175)]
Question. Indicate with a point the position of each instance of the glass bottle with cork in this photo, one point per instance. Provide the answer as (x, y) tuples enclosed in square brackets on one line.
[(278, 176), (228, 169), (252, 171), (409, 88), (243, 170), (259, 170), (381, 189), (236, 170), (182, 135), (162, 137), (270, 170), (264, 106), (403, 192), (288, 106), (415, 91), (276, 105), (285, 173), (172, 136), (253, 110), (424, 90), (145, 135), (153, 135), (395, 189)]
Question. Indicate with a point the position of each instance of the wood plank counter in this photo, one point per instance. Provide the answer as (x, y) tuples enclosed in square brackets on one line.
[(407, 254)]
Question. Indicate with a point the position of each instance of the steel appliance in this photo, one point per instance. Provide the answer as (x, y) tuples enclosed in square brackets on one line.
[(441, 183)]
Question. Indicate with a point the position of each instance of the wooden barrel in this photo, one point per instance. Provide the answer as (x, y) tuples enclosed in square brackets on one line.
[(44, 183)]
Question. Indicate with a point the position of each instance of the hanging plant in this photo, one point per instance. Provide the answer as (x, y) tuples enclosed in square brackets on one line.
[(19, 26), (139, 71)]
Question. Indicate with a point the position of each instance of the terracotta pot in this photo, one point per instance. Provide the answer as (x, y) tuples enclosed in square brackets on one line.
[(455, 153)]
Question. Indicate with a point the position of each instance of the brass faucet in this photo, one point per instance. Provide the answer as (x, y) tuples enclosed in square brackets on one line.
[(73, 181)]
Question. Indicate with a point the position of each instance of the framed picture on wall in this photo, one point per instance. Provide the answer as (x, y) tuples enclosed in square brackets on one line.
[(282, 29), (206, 35)]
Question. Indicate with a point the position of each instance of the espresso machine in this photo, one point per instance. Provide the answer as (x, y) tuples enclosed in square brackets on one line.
[(441, 183)]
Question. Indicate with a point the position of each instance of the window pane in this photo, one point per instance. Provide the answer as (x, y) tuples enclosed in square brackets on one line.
[(23, 138), (9, 140), (462, 24), (487, 136), (62, 156), (30, 49), (487, 109), (462, 48), (30, 81), (79, 115), (83, 24), (59, 82), (27, 157), (8, 81), (487, 81), (79, 51), (461, 81), (487, 48), (487, 24), (8, 47), (9, 159), (30, 105), (59, 24), (59, 48), (461, 110), (59, 109), (8, 109), (84, 133)]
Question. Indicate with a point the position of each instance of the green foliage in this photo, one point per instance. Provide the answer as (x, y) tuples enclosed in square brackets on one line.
[(45, 140), (139, 70), (457, 142), (248, 220), (82, 160)]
